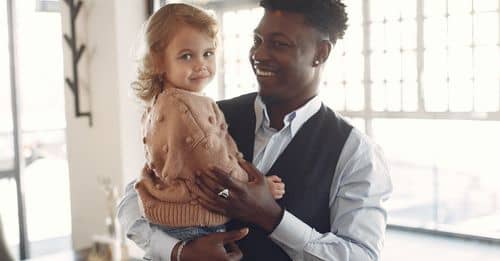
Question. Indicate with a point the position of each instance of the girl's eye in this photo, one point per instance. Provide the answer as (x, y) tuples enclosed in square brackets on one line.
[(186, 56), (209, 53)]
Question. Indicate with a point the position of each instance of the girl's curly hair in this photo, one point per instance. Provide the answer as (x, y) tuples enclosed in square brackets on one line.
[(160, 29)]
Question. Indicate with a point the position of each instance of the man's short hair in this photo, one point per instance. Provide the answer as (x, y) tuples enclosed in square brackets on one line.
[(327, 16)]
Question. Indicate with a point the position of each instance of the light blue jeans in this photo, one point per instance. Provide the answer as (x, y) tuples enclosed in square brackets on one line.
[(190, 233)]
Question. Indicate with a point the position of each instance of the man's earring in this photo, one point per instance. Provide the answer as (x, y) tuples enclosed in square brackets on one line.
[(316, 62)]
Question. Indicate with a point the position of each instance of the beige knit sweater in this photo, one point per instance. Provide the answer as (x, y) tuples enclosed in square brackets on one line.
[(183, 132)]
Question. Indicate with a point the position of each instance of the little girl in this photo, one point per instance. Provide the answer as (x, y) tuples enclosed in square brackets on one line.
[(183, 131)]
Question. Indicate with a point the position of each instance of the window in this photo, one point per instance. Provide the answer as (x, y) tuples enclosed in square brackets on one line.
[(422, 77), (35, 120), (47, 5)]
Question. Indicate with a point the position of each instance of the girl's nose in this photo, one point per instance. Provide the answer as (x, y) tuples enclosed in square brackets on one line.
[(201, 68)]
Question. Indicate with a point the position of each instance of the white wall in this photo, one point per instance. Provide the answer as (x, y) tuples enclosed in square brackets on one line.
[(111, 146)]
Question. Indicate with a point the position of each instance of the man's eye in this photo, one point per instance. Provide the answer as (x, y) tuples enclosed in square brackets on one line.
[(186, 56), (279, 44), (256, 41)]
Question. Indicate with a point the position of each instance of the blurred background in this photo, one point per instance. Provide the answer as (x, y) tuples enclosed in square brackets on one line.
[(421, 77)]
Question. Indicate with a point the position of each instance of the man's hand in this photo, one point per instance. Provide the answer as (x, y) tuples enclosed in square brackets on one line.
[(247, 201), (216, 246)]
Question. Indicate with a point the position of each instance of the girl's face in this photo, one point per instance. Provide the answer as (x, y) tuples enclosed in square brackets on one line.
[(189, 59)]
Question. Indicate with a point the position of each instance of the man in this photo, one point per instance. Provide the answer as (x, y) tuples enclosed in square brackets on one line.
[(336, 179)]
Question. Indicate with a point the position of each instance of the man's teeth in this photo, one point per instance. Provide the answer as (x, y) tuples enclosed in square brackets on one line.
[(264, 73)]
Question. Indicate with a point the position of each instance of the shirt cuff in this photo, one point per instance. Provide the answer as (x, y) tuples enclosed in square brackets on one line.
[(161, 246), (292, 232)]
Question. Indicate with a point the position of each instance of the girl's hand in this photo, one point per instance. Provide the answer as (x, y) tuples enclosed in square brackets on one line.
[(276, 186)]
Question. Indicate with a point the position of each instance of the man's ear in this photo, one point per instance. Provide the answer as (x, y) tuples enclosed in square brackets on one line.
[(324, 48)]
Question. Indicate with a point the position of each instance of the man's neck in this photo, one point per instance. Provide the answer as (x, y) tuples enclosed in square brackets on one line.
[(277, 111)]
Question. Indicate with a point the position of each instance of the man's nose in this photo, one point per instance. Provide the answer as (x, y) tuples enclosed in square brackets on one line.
[(259, 54)]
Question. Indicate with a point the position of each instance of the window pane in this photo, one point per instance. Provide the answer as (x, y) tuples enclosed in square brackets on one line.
[(485, 5), (393, 93), (6, 127), (392, 60), (434, 8), (377, 36), (393, 36), (392, 9), (353, 67), (461, 95), (408, 34), (378, 90), (408, 9), (486, 28), (460, 63), (435, 63), (410, 96), (435, 32), (460, 30), (377, 67), (434, 82), (487, 62), (409, 66), (355, 97), (39, 72), (459, 6), (436, 185), (386, 66), (487, 95), (43, 128), (377, 11)]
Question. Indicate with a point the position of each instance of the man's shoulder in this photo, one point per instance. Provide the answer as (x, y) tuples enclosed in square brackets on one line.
[(334, 121), (245, 98), (237, 104)]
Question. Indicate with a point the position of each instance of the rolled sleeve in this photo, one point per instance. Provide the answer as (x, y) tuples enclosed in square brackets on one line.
[(157, 244)]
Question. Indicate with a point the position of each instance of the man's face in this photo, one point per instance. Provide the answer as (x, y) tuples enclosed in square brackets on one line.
[(282, 57)]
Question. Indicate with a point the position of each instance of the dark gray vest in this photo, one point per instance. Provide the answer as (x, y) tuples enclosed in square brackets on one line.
[(306, 167)]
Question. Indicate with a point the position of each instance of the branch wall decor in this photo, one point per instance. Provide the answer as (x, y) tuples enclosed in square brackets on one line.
[(76, 54)]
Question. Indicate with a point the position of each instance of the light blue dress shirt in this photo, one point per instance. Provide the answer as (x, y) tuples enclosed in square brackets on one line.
[(360, 186)]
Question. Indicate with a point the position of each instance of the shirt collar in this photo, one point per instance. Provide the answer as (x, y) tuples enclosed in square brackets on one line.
[(295, 118)]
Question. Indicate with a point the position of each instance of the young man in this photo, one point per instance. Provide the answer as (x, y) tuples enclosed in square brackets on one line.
[(336, 178)]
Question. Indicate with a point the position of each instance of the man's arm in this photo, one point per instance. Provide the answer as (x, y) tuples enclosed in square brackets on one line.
[(358, 218), (156, 244), (159, 246)]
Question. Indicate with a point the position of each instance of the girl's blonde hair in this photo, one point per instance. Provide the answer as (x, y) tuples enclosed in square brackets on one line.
[(160, 30)]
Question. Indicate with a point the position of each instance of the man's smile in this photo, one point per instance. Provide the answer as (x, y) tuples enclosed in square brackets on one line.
[(264, 72)]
